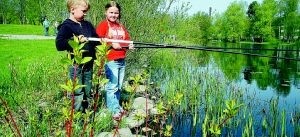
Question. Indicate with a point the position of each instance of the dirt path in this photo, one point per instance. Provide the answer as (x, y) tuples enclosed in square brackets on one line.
[(23, 37)]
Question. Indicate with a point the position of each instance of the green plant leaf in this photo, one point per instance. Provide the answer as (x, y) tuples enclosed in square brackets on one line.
[(264, 124), (104, 81), (81, 46), (77, 59), (73, 44), (85, 60), (65, 87), (66, 61), (65, 113), (79, 86), (215, 129), (97, 63)]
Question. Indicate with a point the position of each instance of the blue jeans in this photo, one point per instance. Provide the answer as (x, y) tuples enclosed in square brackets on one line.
[(114, 71), (84, 77)]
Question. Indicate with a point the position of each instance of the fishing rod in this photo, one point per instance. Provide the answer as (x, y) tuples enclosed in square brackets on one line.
[(152, 45)]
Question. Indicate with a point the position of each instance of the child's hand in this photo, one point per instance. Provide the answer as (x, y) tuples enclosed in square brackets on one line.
[(103, 40), (116, 46), (131, 46), (82, 39)]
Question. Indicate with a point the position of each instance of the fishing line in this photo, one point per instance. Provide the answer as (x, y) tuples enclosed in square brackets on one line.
[(271, 49), (215, 50)]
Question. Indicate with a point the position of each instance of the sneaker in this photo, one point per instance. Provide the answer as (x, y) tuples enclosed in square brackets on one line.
[(123, 112), (117, 116)]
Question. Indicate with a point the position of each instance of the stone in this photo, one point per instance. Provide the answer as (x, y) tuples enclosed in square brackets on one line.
[(122, 132), (131, 120), (140, 103), (140, 89)]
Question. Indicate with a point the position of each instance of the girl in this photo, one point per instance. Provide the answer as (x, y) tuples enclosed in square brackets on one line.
[(111, 28)]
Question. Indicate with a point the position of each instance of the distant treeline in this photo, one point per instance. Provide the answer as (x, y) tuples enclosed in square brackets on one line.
[(154, 20)]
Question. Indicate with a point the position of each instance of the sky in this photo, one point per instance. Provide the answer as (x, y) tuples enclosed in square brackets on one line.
[(219, 6)]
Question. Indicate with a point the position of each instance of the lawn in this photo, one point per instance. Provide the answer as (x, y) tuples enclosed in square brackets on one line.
[(26, 52), (24, 29)]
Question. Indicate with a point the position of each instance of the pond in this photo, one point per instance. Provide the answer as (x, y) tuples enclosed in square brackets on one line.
[(265, 79)]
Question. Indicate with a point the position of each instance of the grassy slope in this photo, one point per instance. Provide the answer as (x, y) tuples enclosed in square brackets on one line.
[(26, 52), (36, 84)]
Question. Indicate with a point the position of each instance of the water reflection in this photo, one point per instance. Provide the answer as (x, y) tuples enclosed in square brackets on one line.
[(265, 78), (184, 124), (267, 71)]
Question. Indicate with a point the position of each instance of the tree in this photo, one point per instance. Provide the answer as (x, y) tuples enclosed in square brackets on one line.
[(201, 28), (6, 11), (266, 15), (32, 15), (253, 17), (234, 22), (55, 10), (216, 28), (290, 18)]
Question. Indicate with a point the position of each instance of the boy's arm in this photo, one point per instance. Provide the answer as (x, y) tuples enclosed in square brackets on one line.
[(62, 38), (95, 43), (95, 35)]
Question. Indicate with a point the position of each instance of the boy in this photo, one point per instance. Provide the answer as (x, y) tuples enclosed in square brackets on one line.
[(76, 25)]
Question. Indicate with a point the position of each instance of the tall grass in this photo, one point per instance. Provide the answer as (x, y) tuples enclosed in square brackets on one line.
[(21, 54), (29, 78), (29, 86)]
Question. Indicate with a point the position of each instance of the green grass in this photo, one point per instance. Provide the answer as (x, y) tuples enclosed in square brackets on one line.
[(26, 52), (23, 29)]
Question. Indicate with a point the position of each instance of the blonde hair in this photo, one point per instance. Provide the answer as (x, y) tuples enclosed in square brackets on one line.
[(73, 3)]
